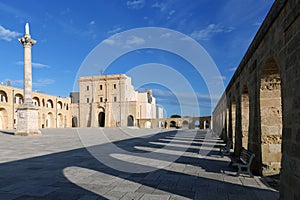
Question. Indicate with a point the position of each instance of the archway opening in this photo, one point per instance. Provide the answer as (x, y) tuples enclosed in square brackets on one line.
[(245, 116), (74, 122), (233, 122), (197, 124), (147, 124), (49, 120), (36, 101), (172, 124), (3, 119), (270, 118), (3, 96), (60, 121), (101, 119), (130, 120), (185, 124)]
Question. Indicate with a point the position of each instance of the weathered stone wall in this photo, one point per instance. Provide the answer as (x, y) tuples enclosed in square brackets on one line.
[(262, 111)]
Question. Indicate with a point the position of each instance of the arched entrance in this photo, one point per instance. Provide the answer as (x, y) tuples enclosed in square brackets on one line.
[(172, 124), (49, 120), (130, 120), (74, 122), (197, 124), (101, 119), (60, 121), (147, 124), (245, 116), (270, 118), (3, 119), (233, 123), (185, 124)]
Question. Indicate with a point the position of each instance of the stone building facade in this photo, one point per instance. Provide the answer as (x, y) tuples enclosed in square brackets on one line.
[(260, 108), (111, 101), (53, 112)]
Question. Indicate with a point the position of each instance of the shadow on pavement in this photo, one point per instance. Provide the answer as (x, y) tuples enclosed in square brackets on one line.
[(45, 177)]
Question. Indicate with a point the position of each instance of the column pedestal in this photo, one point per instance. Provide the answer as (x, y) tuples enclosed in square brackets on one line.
[(27, 121)]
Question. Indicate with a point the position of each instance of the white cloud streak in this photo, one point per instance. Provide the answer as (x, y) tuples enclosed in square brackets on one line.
[(135, 4), (167, 97), (209, 31), (39, 83), (133, 41), (16, 83), (115, 29), (43, 82), (8, 35), (161, 6), (92, 22), (109, 42), (35, 65)]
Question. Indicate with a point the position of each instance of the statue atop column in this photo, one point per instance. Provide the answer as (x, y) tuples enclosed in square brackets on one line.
[(27, 119)]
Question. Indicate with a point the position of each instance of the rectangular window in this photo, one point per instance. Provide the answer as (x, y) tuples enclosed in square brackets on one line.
[(87, 88), (115, 86), (115, 99), (100, 87), (101, 99), (87, 100)]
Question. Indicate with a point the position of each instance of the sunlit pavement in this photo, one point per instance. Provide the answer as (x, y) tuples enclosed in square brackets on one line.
[(135, 164)]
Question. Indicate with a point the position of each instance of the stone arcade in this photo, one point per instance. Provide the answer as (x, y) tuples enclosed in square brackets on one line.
[(260, 108)]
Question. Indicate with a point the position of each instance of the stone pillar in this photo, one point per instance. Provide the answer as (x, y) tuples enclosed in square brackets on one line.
[(27, 123)]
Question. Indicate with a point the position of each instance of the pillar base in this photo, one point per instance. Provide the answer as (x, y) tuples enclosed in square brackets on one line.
[(27, 124), (29, 133)]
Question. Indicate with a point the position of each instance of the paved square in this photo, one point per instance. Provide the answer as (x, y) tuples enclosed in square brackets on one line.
[(95, 163)]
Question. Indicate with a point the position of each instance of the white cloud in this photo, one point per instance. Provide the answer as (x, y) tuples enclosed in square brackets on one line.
[(92, 22), (134, 41), (34, 64), (109, 42), (161, 6), (16, 83), (209, 31), (232, 69), (171, 12), (8, 35), (222, 78), (43, 82), (135, 4), (186, 38), (115, 29), (257, 24), (124, 42), (188, 98), (166, 35)]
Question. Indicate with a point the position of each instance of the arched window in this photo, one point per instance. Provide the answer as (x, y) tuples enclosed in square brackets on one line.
[(3, 96)]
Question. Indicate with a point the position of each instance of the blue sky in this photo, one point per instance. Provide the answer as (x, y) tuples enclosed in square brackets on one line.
[(67, 31)]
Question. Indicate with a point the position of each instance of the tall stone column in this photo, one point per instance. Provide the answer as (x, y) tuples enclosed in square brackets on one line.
[(27, 120)]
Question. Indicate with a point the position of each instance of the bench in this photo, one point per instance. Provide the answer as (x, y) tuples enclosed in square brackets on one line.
[(244, 162), (225, 150)]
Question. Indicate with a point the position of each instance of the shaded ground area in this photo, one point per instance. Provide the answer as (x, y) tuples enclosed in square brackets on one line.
[(172, 164), (273, 181)]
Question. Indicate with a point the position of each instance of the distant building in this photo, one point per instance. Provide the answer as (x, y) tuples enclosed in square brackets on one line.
[(111, 101)]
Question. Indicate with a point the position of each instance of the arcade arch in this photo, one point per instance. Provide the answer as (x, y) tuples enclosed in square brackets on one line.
[(270, 118)]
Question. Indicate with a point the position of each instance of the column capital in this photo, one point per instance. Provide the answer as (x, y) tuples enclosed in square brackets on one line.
[(27, 41)]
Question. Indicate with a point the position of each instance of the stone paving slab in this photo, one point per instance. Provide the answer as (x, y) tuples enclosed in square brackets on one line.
[(182, 164)]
